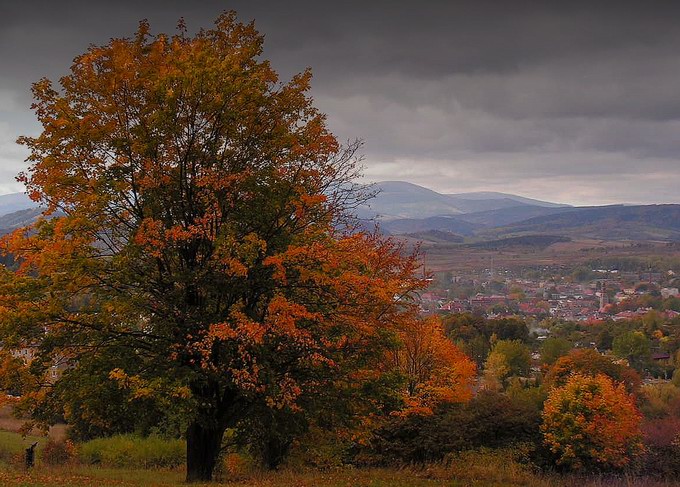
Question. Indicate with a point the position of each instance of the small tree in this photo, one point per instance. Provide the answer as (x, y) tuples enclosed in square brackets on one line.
[(517, 356), (592, 423), (590, 362), (436, 370), (633, 346)]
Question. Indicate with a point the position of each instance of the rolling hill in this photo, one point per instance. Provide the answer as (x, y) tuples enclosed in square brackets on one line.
[(398, 199), (435, 236), (436, 223), (14, 202), (402, 200), (506, 216), (18, 219), (524, 241), (404, 208), (645, 222)]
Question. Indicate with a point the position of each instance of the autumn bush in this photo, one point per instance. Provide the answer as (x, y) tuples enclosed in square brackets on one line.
[(236, 466), (128, 451), (592, 423), (591, 362), (58, 452)]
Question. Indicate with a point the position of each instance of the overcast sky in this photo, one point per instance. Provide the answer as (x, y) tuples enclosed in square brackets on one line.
[(564, 101)]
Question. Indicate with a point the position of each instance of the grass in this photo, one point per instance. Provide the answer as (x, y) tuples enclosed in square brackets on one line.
[(9, 423), (133, 452), (485, 468), (81, 476), (12, 445)]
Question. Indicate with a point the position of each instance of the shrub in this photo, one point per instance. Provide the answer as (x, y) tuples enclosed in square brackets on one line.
[(236, 466), (591, 423), (662, 447), (489, 420), (133, 452), (57, 452)]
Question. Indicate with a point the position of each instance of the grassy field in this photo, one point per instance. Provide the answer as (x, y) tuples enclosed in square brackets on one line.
[(445, 257), (10, 423), (482, 477), (480, 468)]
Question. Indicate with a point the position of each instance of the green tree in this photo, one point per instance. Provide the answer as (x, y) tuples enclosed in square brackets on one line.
[(633, 346), (604, 339), (201, 207), (508, 358), (554, 348), (508, 329), (672, 303)]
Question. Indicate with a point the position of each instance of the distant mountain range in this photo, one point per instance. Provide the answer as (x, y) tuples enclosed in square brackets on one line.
[(15, 202), (644, 222), (399, 199), (407, 209), (402, 208), (17, 210)]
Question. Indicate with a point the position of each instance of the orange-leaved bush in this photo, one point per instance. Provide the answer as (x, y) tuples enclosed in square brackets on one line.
[(592, 423), (590, 362)]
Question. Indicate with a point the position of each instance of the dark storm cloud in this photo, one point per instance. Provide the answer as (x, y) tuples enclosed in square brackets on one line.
[(577, 101)]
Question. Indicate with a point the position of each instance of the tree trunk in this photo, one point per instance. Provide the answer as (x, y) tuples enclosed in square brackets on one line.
[(203, 448), (275, 451)]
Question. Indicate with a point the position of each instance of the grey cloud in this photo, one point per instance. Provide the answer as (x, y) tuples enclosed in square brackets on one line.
[(577, 101)]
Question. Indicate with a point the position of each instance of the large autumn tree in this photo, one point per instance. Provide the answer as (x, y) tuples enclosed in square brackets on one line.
[(197, 244)]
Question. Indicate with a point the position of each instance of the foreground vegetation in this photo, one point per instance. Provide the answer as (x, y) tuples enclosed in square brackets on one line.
[(481, 473), (132, 461)]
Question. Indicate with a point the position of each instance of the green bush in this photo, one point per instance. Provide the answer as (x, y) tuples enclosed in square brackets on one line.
[(491, 420), (133, 452)]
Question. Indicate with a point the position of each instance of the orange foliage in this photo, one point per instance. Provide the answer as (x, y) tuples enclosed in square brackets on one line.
[(200, 201), (436, 370), (591, 422), (591, 362)]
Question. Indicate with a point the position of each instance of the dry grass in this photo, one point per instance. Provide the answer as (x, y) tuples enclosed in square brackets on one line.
[(9, 423), (470, 471)]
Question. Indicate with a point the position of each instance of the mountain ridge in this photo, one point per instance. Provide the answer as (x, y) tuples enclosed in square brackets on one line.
[(406, 209), (401, 199)]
